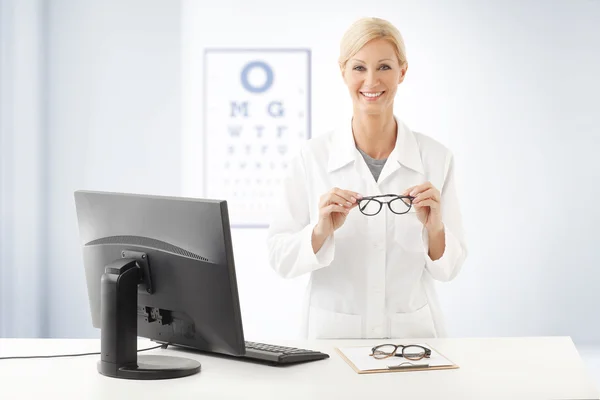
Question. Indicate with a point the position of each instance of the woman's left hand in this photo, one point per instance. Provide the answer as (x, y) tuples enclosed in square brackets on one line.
[(427, 205)]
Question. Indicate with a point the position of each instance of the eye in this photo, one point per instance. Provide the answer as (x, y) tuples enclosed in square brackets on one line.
[(385, 66), (359, 68)]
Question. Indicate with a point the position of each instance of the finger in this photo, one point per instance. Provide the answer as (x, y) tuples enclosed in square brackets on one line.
[(407, 191), (430, 193), (330, 198), (427, 203), (334, 208), (334, 198), (354, 196), (420, 188), (348, 195)]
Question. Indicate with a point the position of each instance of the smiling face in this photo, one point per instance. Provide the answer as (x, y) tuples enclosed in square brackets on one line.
[(372, 76)]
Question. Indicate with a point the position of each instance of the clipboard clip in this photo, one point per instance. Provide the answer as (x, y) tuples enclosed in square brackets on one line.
[(407, 365)]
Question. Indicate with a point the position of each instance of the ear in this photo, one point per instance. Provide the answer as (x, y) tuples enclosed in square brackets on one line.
[(403, 73)]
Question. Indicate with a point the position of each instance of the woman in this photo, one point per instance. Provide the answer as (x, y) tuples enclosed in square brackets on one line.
[(372, 261)]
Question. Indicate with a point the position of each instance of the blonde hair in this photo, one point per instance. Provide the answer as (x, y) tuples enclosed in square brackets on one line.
[(363, 31)]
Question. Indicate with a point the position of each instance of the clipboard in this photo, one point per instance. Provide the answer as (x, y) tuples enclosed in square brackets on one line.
[(358, 358)]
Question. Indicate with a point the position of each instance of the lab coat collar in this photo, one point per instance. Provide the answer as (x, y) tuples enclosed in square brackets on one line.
[(406, 151)]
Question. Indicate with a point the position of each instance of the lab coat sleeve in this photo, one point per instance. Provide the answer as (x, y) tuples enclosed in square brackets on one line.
[(449, 265), (289, 237)]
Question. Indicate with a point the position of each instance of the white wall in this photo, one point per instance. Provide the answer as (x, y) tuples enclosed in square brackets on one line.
[(114, 123), (510, 87)]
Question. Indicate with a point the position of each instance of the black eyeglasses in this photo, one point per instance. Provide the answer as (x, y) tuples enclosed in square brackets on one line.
[(413, 352), (370, 205)]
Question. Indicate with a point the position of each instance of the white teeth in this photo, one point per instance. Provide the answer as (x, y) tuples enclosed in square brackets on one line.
[(372, 94)]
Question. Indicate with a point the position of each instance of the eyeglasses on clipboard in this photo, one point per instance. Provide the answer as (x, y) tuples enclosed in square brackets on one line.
[(410, 353)]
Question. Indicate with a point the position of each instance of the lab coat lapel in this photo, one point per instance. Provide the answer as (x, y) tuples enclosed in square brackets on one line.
[(406, 153), (346, 163), (343, 148)]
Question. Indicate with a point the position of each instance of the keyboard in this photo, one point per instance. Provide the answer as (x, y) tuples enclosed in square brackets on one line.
[(279, 355)]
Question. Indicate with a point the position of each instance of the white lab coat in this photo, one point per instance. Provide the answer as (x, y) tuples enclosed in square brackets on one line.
[(373, 277)]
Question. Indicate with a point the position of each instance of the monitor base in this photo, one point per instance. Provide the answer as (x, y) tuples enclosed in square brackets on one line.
[(151, 367), (119, 311)]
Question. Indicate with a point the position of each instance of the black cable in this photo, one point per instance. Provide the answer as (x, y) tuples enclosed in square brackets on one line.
[(164, 346)]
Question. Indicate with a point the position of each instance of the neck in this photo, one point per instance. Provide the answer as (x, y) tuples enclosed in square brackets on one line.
[(375, 134)]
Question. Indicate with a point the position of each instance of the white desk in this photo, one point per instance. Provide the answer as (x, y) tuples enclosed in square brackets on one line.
[(498, 368)]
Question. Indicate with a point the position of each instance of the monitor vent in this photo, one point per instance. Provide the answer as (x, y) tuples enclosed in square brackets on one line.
[(146, 242)]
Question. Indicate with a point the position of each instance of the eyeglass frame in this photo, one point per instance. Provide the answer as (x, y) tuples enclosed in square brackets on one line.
[(426, 353), (374, 198)]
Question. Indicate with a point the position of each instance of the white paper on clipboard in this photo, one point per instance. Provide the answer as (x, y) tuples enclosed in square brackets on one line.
[(360, 359)]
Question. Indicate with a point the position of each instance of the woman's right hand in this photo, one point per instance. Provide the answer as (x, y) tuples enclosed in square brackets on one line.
[(334, 207)]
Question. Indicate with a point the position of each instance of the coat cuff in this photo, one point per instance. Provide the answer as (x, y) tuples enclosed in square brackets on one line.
[(308, 260), (447, 266)]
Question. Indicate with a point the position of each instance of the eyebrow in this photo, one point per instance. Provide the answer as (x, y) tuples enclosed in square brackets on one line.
[(384, 59)]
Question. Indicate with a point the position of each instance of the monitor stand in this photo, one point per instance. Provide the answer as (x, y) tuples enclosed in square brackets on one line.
[(119, 302)]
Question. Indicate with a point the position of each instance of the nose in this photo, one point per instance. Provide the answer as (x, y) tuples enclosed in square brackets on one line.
[(371, 80)]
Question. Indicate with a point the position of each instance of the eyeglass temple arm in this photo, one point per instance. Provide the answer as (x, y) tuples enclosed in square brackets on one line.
[(366, 204)]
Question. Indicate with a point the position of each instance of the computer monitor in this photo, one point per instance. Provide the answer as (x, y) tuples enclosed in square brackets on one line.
[(161, 268)]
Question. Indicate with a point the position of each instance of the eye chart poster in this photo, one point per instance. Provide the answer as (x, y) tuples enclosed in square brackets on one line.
[(256, 110)]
